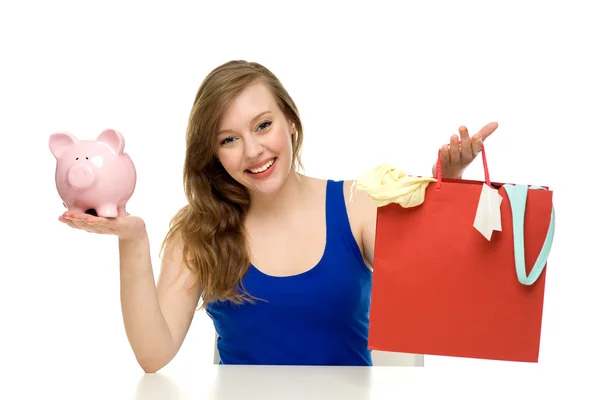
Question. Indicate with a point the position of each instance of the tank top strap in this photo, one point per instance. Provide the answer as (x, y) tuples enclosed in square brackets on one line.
[(339, 232)]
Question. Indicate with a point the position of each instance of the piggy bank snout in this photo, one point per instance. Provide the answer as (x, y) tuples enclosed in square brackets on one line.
[(81, 176)]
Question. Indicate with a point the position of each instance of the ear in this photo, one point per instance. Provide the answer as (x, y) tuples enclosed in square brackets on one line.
[(113, 139), (293, 127), (59, 142)]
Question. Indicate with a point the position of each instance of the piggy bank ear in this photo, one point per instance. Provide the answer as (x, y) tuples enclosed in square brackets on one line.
[(113, 139), (59, 142)]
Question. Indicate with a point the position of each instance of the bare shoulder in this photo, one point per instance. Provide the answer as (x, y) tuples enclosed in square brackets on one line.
[(362, 214), (361, 209)]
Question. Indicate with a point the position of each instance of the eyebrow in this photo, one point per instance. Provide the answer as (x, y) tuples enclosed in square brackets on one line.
[(251, 121)]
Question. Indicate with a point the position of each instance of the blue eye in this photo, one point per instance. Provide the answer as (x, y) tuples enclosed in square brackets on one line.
[(227, 140), (267, 123)]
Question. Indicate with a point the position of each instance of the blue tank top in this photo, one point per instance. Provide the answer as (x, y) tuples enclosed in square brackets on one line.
[(318, 317)]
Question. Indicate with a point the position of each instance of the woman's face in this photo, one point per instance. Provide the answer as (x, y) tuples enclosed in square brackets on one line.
[(254, 140)]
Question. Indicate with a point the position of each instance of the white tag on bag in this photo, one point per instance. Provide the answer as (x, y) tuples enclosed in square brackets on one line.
[(487, 217), (496, 219)]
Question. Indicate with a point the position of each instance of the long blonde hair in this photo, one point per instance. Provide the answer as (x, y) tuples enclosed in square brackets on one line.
[(211, 224)]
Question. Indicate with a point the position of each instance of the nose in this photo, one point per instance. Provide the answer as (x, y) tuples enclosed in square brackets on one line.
[(253, 148), (81, 176)]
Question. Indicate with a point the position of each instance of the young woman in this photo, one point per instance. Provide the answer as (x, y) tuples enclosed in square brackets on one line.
[(280, 261)]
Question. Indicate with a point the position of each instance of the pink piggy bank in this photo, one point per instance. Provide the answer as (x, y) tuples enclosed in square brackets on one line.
[(93, 176)]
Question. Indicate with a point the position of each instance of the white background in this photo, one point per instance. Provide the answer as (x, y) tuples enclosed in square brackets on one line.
[(384, 82)]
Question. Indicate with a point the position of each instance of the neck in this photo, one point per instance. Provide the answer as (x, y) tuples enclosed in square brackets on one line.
[(280, 201)]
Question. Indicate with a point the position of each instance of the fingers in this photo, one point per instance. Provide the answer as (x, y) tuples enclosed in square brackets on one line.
[(466, 150), (457, 155), (454, 151), (469, 147), (487, 130), (476, 145), (88, 223), (445, 155), (67, 221)]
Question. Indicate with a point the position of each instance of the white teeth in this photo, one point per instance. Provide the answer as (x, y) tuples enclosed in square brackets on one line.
[(263, 168)]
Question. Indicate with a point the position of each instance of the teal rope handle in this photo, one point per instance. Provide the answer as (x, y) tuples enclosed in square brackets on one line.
[(517, 196)]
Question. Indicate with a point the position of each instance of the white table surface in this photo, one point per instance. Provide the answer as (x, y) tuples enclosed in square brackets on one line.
[(497, 380)]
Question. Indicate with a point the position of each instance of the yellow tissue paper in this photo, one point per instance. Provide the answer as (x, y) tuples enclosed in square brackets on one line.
[(386, 184)]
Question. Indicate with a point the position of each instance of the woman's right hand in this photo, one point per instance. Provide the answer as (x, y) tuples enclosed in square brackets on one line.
[(126, 228)]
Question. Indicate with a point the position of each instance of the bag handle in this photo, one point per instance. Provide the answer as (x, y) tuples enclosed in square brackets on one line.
[(517, 196), (438, 172)]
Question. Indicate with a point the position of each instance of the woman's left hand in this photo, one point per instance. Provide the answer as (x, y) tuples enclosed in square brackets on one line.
[(459, 154)]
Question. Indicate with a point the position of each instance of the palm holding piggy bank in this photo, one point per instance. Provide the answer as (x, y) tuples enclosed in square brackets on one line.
[(93, 175)]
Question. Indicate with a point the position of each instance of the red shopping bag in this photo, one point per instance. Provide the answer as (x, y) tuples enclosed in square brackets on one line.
[(441, 288)]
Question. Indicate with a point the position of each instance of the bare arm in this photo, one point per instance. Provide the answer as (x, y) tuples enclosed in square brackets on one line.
[(156, 317)]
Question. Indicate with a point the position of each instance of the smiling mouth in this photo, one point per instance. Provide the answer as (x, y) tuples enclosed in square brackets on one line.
[(264, 168)]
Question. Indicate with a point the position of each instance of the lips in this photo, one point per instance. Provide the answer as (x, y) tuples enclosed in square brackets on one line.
[(261, 166)]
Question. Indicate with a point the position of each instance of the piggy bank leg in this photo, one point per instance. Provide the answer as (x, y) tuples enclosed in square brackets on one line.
[(107, 211), (75, 210), (122, 212)]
